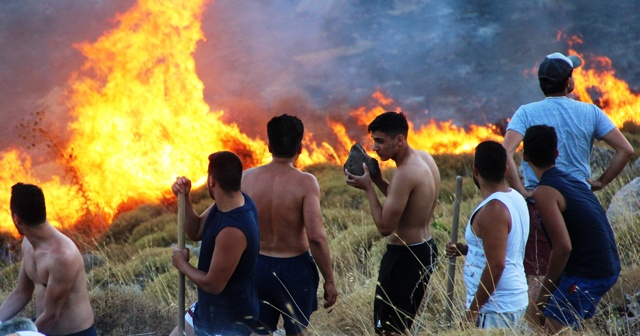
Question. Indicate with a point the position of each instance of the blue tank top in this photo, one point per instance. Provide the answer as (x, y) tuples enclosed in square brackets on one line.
[(239, 298), (594, 253)]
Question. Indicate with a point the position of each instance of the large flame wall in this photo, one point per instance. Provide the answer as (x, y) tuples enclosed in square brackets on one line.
[(140, 120)]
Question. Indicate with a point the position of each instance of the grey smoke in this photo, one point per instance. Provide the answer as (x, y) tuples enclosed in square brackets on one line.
[(460, 60)]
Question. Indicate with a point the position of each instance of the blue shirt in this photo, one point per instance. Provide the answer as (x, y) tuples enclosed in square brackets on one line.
[(239, 299), (577, 124), (594, 254)]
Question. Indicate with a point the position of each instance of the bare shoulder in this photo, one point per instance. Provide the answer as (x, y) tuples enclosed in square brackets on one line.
[(66, 253)]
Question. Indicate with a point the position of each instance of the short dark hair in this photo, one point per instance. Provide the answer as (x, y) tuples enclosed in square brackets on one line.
[(540, 144), (285, 134), (490, 160), (226, 168), (27, 201), (390, 123)]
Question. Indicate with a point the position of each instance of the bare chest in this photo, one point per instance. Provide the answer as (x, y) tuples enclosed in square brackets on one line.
[(36, 268)]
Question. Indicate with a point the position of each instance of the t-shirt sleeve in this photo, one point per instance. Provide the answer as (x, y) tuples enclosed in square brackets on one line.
[(604, 125), (517, 122)]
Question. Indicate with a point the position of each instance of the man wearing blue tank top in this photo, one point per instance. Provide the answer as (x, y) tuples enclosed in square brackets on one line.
[(584, 262), (496, 236), (227, 295)]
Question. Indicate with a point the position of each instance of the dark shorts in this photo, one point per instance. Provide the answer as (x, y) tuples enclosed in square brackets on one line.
[(287, 287), (576, 299), (208, 322), (402, 283), (538, 248), (91, 331)]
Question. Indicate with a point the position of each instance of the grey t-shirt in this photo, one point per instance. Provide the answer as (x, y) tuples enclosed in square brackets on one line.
[(577, 124)]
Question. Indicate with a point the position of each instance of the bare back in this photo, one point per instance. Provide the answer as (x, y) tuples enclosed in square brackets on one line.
[(287, 201), (57, 272), (419, 177)]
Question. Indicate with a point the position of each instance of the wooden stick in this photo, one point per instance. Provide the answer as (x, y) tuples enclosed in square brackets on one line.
[(181, 220), (454, 239)]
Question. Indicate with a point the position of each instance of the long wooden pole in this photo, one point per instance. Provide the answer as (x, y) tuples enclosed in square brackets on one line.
[(181, 220), (454, 240)]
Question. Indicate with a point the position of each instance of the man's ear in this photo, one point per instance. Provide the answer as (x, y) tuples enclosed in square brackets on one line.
[(557, 153), (299, 149), (401, 139), (269, 146), (525, 157)]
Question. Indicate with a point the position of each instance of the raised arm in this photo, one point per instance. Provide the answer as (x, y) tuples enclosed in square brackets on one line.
[(318, 243), (194, 223), (623, 152), (511, 143)]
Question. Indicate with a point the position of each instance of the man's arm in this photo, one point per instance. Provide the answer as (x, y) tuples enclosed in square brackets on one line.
[(230, 244), (550, 204), (318, 244), (623, 152), (511, 143), (19, 297), (381, 183), (62, 275), (491, 224), (386, 218), (194, 224)]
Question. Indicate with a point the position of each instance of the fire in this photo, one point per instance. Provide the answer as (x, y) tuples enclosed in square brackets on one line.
[(140, 120), (613, 95)]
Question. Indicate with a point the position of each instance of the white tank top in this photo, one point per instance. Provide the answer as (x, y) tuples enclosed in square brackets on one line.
[(511, 292)]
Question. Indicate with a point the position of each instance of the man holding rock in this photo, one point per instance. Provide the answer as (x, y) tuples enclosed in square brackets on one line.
[(404, 218)]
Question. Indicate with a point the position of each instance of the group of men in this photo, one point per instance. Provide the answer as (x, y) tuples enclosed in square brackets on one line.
[(541, 249)]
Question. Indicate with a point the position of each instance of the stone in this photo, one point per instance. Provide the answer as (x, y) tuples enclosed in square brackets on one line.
[(358, 156), (625, 205)]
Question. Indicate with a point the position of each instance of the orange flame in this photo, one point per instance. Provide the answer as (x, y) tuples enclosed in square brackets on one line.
[(140, 120)]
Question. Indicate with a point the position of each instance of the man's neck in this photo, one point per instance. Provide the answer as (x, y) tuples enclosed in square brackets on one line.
[(230, 200), (40, 234), (487, 189), (539, 171), (402, 155), (283, 161)]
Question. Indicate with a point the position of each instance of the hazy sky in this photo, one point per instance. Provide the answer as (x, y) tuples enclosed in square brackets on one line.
[(459, 60)]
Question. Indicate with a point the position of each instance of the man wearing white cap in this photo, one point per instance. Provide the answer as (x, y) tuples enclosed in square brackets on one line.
[(577, 124)]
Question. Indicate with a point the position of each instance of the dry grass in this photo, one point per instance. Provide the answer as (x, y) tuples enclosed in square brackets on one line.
[(133, 286)]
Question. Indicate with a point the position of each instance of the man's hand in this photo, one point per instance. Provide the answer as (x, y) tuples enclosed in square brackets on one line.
[(596, 184), (181, 185), (330, 294), (457, 250), (470, 317), (361, 182), (180, 257)]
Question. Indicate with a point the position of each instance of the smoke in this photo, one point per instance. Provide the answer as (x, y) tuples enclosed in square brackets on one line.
[(472, 62)]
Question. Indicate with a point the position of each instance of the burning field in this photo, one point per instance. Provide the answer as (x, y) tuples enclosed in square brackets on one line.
[(139, 118)]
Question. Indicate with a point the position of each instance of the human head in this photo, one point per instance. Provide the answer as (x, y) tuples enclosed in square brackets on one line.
[(540, 145), (226, 169), (285, 136), (16, 324), (27, 203), (490, 160), (554, 73), (391, 124)]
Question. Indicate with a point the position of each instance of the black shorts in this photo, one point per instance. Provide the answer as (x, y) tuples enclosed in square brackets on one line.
[(402, 283), (91, 331)]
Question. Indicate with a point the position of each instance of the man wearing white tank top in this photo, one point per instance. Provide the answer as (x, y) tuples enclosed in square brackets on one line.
[(496, 236)]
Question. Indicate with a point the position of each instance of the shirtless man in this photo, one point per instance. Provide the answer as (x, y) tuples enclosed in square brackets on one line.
[(51, 266), (404, 219), (290, 223)]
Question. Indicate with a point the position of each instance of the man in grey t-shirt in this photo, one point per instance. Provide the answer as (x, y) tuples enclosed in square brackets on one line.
[(577, 124)]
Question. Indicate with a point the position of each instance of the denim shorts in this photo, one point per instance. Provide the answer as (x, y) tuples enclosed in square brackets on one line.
[(491, 320), (576, 299)]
